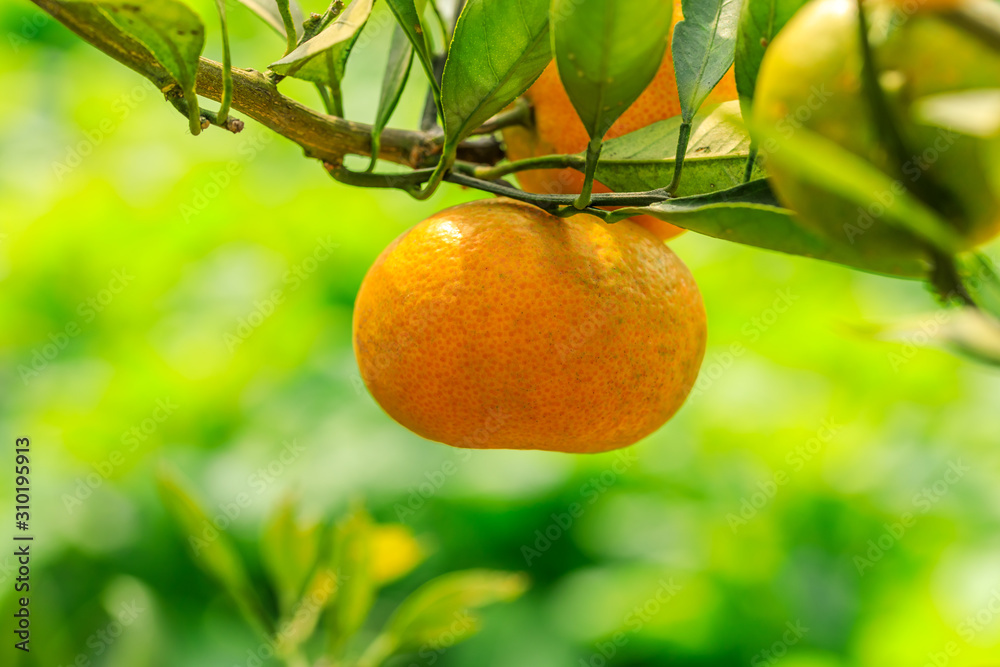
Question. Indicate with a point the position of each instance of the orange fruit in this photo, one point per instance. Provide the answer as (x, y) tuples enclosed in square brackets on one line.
[(558, 129), (495, 325)]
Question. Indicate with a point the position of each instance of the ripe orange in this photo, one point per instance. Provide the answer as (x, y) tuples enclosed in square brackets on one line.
[(494, 325), (557, 129)]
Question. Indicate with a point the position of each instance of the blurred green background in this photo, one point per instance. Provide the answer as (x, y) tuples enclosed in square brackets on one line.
[(822, 500)]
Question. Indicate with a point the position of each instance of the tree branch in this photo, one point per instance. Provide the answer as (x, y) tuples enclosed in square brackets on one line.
[(321, 136)]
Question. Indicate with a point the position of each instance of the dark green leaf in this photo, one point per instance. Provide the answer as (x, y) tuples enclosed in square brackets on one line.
[(409, 14), (268, 11), (703, 47), (173, 34), (607, 52), (396, 73), (749, 214), (644, 159), (499, 48), (760, 21), (322, 59)]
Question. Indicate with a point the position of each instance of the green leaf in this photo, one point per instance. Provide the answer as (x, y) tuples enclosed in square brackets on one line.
[(323, 58), (212, 548), (644, 159), (268, 11), (821, 162), (173, 33), (760, 22), (703, 47), (396, 73), (607, 52), (749, 214), (351, 565), (499, 48), (289, 551), (441, 611), (409, 15)]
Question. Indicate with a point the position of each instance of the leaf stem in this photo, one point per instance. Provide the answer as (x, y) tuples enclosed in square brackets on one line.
[(593, 155), (227, 67), (289, 22), (683, 136)]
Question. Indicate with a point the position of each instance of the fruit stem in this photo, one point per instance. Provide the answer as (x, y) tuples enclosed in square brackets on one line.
[(593, 155), (683, 135)]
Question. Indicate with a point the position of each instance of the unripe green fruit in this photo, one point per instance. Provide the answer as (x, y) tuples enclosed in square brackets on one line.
[(811, 78)]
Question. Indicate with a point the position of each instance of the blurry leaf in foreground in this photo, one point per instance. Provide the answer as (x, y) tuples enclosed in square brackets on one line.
[(967, 332), (980, 279), (972, 112), (441, 611), (289, 550), (749, 214), (351, 564), (212, 548)]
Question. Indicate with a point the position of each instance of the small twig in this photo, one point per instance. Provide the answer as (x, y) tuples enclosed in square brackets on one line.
[(541, 162), (519, 114), (751, 163)]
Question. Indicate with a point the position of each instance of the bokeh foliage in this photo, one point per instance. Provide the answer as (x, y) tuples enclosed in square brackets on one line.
[(212, 233)]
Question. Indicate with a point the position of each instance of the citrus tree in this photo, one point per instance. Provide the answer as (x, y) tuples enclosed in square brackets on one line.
[(865, 133)]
